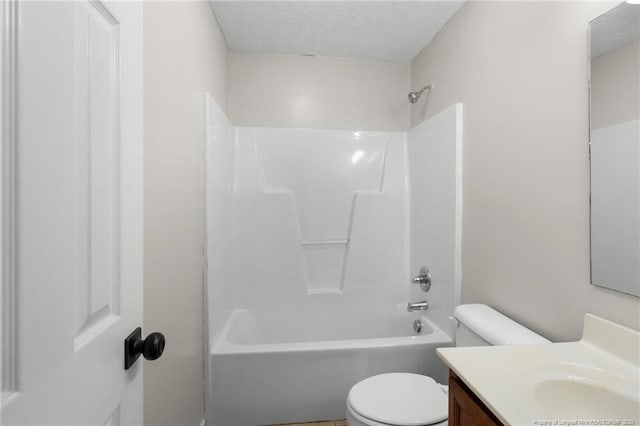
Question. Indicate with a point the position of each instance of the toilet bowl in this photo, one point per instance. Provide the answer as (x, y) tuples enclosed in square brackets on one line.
[(399, 399), (406, 399)]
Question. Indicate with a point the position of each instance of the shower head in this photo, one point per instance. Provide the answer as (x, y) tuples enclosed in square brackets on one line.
[(414, 96)]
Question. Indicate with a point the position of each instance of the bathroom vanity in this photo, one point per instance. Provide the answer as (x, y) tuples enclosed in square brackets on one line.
[(594, 380), (465, 408)]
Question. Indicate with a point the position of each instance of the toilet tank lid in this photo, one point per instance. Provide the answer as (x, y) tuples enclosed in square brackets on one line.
[(494, 327)]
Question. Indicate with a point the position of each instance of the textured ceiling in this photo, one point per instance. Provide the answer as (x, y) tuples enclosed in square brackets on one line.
[(393, 30), (614, 29)]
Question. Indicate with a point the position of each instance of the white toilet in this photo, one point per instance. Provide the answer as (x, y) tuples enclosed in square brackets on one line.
[(405, 399)]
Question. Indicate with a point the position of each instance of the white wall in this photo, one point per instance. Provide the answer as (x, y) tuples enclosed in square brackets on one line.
[(273, 90), (184, 56), (520, 68)]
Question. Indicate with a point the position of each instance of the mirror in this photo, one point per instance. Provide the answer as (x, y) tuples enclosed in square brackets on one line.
[(615, 149)]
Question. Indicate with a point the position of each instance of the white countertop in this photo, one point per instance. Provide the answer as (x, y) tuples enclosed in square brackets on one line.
[(592, 381)]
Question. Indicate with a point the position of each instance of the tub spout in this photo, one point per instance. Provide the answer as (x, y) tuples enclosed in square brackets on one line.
[(422, 305)]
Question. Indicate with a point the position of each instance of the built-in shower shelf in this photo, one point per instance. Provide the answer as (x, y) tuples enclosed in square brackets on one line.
[(316, 291), (323, 242)]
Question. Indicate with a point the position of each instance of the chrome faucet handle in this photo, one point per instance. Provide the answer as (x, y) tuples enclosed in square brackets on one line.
[(423, 279)]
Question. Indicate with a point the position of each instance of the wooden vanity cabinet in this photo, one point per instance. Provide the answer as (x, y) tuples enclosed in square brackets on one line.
[(465, 408)]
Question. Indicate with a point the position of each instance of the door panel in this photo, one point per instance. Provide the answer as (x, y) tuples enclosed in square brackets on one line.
[(78, 213), (96, 86)]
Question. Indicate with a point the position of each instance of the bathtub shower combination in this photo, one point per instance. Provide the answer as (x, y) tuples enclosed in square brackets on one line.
[(312, 238)]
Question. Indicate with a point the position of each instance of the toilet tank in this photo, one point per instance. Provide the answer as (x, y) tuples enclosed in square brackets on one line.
[(480, 325)]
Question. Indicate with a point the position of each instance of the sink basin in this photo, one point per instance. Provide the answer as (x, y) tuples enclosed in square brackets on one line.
[(572, 390), (579, 399)]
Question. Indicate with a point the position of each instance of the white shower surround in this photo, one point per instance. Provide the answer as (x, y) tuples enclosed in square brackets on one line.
[(321, 220), (311, 232)]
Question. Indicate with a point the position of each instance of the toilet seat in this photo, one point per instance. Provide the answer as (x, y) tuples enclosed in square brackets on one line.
[(398, 399)]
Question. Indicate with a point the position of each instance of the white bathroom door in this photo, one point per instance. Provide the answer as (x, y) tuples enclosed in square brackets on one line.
[(72, 211)]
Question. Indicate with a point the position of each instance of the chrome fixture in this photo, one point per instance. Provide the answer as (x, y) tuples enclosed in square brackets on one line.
[(414, 96), (423, 278), (422, 305), (417, 326)]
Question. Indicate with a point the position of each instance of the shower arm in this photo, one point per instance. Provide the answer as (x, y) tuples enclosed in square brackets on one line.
[(419, 92), (414, 96)]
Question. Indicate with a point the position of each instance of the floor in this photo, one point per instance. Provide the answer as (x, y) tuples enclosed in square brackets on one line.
[(331, 423)]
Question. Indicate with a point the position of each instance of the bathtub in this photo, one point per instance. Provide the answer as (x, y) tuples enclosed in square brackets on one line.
[(277, 368)]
